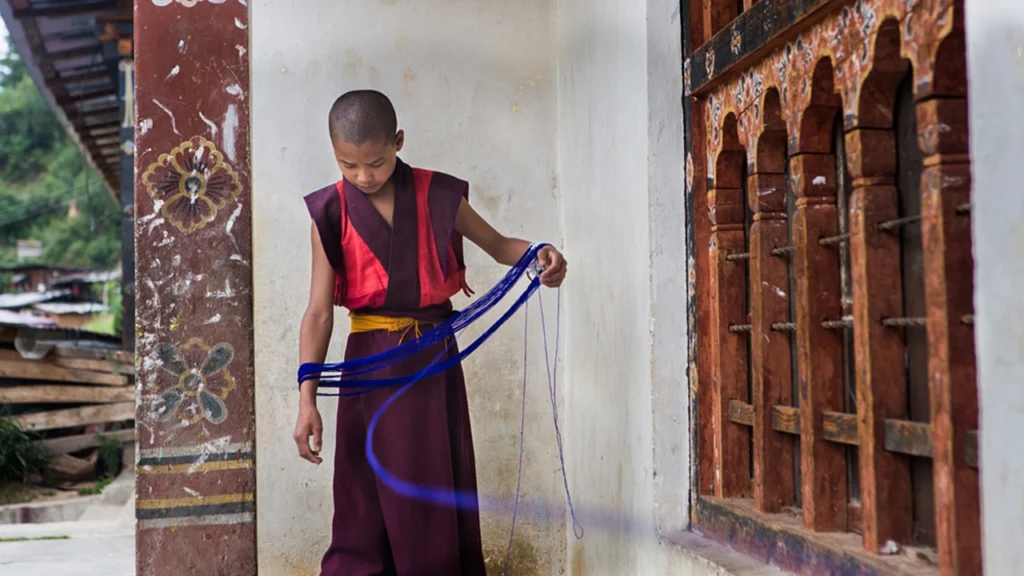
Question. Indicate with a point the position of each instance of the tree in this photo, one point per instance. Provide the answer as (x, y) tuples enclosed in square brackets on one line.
[(12, 68), (41, 173)]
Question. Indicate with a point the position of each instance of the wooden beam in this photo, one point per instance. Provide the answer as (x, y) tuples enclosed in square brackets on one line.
[(66, 9), (81, 78), (840, 427), (780, 541), (69, 444), (106, 363), (786, 419), (56, 394), (907, 437), (81, 52), (72, 417), (94, 94), (20, 369), (81, 126), (741, 413), (112, 109), (749, 36)]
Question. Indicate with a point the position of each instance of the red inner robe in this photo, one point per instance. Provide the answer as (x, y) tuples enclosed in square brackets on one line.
[(425, 436)]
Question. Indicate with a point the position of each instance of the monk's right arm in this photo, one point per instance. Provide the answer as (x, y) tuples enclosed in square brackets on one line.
[(318, 321)]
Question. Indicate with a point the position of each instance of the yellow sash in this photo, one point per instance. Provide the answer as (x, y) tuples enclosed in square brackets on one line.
[(371, 322)]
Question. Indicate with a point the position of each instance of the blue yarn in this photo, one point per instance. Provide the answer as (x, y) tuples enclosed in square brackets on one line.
[(341, 375)]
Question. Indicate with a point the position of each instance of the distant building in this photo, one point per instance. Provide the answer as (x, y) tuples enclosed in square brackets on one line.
[(29, 250)]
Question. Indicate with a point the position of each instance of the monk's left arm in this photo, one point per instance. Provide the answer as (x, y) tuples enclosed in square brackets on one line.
[(506, 250)]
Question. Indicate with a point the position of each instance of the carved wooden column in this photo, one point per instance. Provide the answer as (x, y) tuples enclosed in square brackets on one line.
[(881, 374), (819, 352), (196, 481), (949, 292), (729, 313), (770, 323)]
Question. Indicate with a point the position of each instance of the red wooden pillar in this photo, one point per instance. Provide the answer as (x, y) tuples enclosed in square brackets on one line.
[(195, 501), (881, 376), (729, 346), (949, 293), (770, 348), (819, 350)]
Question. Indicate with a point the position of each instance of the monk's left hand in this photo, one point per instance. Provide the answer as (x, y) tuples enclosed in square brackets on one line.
[(554, 266)]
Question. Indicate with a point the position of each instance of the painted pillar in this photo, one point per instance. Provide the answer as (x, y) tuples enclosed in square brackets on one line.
[(126, 73), (196, 483)]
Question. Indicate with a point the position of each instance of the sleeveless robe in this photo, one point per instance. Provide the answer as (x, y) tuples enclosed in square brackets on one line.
[(410, 270)]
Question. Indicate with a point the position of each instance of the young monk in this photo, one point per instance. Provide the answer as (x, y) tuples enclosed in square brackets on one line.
[(387, 245)]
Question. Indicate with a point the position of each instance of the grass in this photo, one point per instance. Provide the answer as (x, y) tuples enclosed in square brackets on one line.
[(24, 539), (102, 324), (17, 493), (96, 488)]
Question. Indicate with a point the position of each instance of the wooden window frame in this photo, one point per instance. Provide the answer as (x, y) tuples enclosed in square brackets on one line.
[(731, 119)]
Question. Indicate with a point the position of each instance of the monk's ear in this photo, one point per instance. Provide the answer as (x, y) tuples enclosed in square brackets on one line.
[(399, 140)]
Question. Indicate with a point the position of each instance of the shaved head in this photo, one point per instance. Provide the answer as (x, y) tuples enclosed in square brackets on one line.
[(362, 116)]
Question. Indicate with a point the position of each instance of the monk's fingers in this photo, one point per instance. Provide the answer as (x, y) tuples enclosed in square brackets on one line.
[(555, 280), (302, 438), (318, 434), (556, 272)]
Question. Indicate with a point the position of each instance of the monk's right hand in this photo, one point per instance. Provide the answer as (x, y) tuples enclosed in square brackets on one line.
[(309, 425)]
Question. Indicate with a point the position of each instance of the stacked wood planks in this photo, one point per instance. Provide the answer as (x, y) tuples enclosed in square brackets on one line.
[(71, 399)]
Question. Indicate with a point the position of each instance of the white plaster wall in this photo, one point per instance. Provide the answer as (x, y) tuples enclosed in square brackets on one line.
[(621, 176), (995, 53), (473, 82)]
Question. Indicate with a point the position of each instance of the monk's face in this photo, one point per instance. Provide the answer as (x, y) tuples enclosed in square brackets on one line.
[(368, 165)]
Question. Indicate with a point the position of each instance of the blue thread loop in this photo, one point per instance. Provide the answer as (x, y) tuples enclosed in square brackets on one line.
[(342, 374)]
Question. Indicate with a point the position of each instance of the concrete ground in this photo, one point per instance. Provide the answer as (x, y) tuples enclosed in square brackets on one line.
[(91, 548), (100, 543)]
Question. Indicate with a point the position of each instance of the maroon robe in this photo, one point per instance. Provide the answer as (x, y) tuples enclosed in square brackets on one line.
[(425, 436)]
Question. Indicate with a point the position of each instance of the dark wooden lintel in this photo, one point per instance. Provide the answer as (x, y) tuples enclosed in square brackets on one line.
[(755, 32)]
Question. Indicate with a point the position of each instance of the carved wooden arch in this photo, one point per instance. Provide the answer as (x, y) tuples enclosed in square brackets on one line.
[(725, 198), (849, 38), (766, 154)]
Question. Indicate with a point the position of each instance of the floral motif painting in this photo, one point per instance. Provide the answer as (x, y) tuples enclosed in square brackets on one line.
[(191, 183), (201, 382)]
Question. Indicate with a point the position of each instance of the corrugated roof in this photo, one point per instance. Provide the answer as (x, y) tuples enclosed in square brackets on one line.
[(89, 278), (18, 319), (27, 299), (71, 308)]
